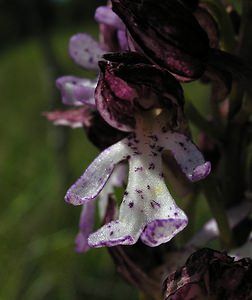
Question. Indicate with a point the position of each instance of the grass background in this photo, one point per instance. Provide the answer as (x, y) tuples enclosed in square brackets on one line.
[(37, 228)]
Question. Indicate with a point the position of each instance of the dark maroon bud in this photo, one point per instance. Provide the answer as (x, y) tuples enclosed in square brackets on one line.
[(167, 33), (210, 274)]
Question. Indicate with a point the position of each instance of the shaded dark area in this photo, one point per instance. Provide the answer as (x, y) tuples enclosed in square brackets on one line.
[(21, 19)]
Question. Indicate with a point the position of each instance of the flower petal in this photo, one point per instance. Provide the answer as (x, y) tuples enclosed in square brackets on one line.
[(105, 15), (73, 118), (162, 231), (76, 91), (146, 201), (97, 174), (187, 155), (85, 227), (85, 51)]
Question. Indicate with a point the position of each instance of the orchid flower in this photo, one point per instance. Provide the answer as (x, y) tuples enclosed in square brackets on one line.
[(148, 210), (86, 52)]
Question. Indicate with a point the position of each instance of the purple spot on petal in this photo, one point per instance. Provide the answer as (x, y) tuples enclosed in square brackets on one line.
[(138, 169), (154, 204), (153, 137), (154, 153), (131, 204), (151, 166), (137, 153), (139, 191)]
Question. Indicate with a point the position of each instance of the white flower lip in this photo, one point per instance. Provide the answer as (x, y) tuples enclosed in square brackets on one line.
[(148, 210)]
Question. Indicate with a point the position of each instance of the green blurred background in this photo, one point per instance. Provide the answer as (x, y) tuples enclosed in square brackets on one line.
[(38, 161)]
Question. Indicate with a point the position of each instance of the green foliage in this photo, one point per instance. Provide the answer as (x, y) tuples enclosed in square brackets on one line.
[(37, 229)]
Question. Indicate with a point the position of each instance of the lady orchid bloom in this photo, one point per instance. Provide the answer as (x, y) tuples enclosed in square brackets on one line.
[(129, 99)]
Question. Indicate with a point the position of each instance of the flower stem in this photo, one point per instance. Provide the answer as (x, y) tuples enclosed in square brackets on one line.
[(198, 120), (215, 202)]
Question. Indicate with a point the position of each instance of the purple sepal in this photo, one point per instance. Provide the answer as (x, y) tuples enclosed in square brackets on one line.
[(128, 83), (76, 91), (114, 99), (162, 231), (105, 15), (85, 51), (85, 227), (155, 84)]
